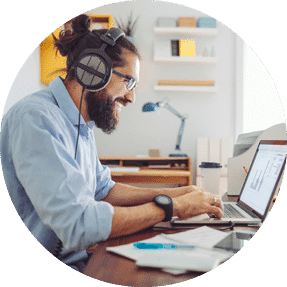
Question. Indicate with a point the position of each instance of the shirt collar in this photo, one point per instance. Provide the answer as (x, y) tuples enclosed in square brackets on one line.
[(66, 104)]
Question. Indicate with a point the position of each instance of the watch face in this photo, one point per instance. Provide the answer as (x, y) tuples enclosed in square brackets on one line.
[(163, 199)]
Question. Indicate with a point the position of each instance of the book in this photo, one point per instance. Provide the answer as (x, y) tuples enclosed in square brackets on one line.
[(174, 47), (187, 48), (186, 22)]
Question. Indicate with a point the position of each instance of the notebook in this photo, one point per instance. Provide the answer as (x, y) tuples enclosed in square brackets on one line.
[(258, 190)]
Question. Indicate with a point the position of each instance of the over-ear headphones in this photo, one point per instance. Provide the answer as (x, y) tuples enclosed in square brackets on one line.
[(93, 68)]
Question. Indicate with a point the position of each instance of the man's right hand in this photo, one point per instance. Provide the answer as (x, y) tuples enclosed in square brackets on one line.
[(196, 203)]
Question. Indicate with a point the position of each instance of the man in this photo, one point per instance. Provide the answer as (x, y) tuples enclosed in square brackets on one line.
[(66, 198)]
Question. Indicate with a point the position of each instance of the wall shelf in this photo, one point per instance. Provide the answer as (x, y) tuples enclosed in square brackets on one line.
[(163, 49), (204, 89), (185, 31), (197, 59)]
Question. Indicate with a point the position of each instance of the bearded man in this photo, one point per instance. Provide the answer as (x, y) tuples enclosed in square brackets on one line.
[(61, 191)]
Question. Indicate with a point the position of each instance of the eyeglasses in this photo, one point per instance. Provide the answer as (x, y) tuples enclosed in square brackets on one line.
[(131, 83)]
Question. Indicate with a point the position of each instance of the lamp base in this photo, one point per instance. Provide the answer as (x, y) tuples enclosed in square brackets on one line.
[(178, 155)]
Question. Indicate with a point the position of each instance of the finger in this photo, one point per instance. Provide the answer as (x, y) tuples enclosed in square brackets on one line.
[(212, 199), (196, 188), (218, 202), (216, 211)]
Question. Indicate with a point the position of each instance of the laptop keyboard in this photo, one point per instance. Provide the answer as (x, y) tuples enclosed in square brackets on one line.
[(231, 212)]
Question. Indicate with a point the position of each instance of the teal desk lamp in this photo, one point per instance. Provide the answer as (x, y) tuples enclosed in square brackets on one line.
[(151, 107)]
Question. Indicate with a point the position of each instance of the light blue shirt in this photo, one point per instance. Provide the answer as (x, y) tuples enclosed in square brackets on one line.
[(56, 196)]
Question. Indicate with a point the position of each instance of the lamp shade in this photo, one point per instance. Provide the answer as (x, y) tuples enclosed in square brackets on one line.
[(150, 107)]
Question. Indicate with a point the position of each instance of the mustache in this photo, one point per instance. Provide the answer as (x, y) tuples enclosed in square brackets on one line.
[(122, 101)]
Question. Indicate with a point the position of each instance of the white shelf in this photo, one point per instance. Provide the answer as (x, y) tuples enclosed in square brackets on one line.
[(185, 31), (197, 59), (205, 89)]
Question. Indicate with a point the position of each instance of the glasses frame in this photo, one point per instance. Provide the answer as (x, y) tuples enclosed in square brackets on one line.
[(131, 84)]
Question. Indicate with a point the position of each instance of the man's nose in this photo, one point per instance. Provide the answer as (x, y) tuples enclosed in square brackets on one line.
[(131, 96)]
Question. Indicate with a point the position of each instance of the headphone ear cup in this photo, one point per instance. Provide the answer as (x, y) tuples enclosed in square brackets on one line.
[(93, 70)]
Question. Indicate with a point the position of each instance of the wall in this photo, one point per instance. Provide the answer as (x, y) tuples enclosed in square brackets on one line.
[(210, 114), (27, 80)]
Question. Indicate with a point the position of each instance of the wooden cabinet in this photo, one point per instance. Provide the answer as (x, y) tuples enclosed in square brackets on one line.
[(152, 170)]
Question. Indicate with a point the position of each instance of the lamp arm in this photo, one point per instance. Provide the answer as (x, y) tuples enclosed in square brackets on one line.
[(164, 104), (180, 133), (175, 112)]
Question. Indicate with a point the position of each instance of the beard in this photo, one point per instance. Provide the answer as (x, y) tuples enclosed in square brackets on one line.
[(101, 109)]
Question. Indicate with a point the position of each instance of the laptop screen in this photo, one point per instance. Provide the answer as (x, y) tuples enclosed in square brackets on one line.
[(263, 175)]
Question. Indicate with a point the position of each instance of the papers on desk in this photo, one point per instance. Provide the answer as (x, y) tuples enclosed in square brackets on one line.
[(204, 237), (124, 169), (202, 258), (179, 263)]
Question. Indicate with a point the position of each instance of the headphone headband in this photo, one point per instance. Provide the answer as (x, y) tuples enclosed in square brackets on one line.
[(112, 35)]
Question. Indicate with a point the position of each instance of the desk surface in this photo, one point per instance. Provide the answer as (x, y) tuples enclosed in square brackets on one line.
[(115, 269)]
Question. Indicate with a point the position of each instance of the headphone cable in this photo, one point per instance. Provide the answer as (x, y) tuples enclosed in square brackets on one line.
[(83, 91)]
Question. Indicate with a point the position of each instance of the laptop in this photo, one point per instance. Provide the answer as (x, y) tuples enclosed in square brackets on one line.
[(257, 192)]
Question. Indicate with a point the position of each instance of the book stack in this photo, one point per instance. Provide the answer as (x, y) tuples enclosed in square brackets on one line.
[(183, 48), (191, 22)]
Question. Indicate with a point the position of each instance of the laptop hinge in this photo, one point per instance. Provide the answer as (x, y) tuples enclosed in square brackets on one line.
[(252, 214)]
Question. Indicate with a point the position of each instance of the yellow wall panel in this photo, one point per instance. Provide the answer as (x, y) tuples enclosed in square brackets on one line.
[(50, 62), (52, 65)]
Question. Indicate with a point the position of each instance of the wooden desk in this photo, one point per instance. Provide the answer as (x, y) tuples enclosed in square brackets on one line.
[(152, 170), (154, 177), (115, 269)]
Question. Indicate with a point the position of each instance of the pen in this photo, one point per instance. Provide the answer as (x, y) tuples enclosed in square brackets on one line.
[(245, 169), (141, 245)]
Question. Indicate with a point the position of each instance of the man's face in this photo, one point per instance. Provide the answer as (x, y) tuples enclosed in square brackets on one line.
[(104, 107)]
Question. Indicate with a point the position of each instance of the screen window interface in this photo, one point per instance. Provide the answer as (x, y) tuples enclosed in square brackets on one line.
[(263, 176)]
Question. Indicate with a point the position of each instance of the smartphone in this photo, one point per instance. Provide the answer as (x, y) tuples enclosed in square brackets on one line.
[(235, 241)]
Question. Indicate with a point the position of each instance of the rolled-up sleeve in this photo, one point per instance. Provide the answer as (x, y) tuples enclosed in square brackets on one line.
[(105, 183), (56, 185)]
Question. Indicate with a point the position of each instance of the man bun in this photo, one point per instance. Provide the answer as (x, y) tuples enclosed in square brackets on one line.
[(69, 38), (81, 24)]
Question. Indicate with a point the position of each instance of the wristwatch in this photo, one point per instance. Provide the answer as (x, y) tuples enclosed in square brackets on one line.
[(165, 202)]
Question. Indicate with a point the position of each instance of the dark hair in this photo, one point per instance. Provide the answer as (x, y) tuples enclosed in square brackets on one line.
[(72, 42)]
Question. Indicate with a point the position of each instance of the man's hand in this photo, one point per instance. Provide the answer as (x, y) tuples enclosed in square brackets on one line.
[(186, 189), (196, 203)]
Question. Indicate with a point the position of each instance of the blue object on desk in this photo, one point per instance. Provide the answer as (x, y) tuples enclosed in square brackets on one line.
[(141, 245), (206, 22)]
